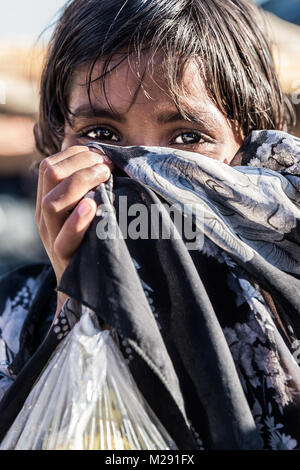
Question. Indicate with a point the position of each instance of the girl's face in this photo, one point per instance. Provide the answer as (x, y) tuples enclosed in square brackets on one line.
[(151, 118)]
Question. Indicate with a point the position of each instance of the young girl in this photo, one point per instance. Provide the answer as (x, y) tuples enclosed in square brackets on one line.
[(191, 75)]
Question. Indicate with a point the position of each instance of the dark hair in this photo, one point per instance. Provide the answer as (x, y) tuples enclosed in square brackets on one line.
[(226, 37)]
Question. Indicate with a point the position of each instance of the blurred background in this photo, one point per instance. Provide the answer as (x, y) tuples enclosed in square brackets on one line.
[(22, 51), (25, 29)]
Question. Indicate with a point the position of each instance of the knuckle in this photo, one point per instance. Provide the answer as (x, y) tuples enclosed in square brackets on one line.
[(77, 148), (90, 157), (52, 174), (48, 205), (44, 164), (78, 179), (57, 246), (87, 176)]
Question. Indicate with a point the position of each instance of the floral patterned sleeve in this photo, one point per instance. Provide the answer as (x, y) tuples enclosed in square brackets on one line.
[(17, 293)]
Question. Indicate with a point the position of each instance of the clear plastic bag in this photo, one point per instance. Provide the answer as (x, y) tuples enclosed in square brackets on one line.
[(86, 399)]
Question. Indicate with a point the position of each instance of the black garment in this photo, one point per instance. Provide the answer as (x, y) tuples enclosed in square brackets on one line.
[(201, 341)]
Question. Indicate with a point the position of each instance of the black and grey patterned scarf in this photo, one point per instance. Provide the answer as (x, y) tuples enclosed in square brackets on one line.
[(211, 333)]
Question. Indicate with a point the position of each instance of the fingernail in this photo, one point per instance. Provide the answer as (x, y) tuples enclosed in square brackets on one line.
[(83, 209), (103, 158), (102, 170), (97, 151)]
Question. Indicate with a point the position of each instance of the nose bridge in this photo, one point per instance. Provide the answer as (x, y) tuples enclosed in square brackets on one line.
[(145, 142), (144, 133), (143, 129)]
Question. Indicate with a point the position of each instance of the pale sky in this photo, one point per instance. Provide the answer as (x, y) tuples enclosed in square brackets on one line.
[(21, 21)]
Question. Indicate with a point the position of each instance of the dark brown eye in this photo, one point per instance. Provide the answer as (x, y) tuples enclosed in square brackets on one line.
[(101, 133), (187, 138)]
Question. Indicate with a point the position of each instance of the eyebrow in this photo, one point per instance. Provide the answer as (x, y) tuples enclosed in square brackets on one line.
[(86, 111), (164, 117)]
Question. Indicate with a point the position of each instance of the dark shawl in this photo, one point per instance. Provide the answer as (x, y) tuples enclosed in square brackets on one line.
[(210, 334)]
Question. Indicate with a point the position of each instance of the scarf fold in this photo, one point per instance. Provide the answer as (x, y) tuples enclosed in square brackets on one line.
[(211, 333)]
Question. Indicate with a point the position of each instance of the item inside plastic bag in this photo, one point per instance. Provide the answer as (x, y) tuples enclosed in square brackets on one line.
[(86, 399)]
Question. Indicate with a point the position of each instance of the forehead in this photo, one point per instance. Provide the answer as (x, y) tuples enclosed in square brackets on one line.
[(128, 84)]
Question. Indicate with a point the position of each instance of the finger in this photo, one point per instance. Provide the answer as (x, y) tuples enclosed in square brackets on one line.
[(56, 173), (45, 163), (62, 165), (74, 228), (64, 197), (106, 159)]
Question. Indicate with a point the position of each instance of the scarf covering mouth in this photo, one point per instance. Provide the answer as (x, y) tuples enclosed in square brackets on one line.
[(211, 334)]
